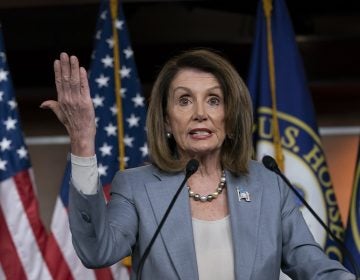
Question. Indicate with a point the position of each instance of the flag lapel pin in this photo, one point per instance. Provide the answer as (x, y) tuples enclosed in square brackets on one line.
[(243, 195)]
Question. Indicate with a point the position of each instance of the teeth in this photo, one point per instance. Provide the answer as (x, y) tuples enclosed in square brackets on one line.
[(200, 132)]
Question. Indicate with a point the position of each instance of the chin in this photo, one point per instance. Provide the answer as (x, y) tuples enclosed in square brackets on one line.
[(202, 151)]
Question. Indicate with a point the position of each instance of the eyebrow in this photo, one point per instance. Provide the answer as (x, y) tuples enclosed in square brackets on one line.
[(187, 89)]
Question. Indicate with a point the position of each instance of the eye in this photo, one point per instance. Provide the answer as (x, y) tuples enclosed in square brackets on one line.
[(214, 101), (184, 100)]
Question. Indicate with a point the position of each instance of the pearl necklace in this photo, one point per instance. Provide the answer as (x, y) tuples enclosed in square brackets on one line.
[(209, 197)]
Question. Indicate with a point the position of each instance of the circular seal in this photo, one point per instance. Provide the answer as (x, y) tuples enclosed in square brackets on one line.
[(306, 168)]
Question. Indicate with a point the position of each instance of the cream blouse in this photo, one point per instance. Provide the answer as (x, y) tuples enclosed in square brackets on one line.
[(214, 249)]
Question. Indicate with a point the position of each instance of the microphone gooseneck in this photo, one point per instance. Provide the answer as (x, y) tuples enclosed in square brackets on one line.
[(270, 163), (191, 167)]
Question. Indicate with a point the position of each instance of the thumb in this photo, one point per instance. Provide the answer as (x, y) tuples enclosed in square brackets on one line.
[(54, 106)]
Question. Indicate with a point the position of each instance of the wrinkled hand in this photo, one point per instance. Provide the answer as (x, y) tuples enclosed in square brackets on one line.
[(74, 107)]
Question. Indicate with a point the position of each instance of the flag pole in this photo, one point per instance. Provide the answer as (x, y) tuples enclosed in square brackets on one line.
[(116, 49), (114, 11), (279, 156)]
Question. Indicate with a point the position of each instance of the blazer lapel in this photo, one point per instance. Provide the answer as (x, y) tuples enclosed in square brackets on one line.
[(177, 230), (244, 217)]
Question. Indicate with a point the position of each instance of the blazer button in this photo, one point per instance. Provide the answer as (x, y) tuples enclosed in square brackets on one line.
[(85, 217)]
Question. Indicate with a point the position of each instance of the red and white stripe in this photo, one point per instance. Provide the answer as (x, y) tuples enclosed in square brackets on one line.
[(27, 251), (62, 236), (23, 236)]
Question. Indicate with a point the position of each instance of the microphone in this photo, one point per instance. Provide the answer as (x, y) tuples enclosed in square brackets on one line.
[(270, 163), (191, 167)]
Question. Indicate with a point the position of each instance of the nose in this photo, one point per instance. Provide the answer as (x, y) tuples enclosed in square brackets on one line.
[(200, 112)]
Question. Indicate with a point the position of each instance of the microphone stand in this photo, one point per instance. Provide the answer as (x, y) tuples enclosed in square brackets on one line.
[(191, 168), (271, 164)]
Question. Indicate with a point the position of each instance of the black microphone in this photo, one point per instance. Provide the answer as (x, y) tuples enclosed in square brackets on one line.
[(270, 163), (191, 167)]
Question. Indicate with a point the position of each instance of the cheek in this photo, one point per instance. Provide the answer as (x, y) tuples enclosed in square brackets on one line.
[(171, 122), (223, 131), (177, 127), (221, 123), (179, 121)]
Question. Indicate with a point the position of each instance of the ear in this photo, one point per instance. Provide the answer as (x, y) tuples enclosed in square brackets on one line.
[(167, 124)]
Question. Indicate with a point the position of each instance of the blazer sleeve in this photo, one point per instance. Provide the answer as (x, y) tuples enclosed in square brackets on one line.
[(103, 234), (302, 257)]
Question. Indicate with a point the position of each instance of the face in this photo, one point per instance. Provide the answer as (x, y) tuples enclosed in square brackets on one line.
[(195, 113)]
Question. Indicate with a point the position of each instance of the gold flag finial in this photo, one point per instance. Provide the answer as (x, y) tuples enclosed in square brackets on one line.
[(267, 6)]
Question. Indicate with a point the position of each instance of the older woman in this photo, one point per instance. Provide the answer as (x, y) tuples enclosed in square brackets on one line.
[(235, 219)]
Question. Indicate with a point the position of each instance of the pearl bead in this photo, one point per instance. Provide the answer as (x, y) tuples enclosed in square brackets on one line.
[(212, 196)]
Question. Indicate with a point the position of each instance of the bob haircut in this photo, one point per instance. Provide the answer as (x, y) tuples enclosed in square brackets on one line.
[(237, 148)]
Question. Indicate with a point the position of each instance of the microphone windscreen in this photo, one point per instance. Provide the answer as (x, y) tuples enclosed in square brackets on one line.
[(191, 167), (270, 163)]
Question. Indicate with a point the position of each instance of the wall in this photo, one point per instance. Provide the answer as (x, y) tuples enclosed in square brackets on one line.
[(341, 153)]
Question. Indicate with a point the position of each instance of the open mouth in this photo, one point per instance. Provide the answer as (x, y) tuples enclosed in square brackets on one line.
[(200, 132)]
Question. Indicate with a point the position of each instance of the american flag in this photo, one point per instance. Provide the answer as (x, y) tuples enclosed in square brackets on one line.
[(22, 234), (103, 93)]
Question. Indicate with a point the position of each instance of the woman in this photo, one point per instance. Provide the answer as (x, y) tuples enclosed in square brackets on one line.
[(235, 220)]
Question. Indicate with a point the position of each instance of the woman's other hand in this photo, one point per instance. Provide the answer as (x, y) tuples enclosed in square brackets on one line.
[(74, 107)]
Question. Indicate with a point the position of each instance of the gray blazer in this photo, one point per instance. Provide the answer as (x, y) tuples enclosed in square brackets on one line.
[(268, 233)]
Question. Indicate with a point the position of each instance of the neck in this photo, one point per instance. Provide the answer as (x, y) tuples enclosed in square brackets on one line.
[(208, 171), (209, 164)]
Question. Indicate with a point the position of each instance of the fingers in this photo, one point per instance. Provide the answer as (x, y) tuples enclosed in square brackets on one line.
[(74, 75), (84, 82), (58, 80), (74, 107), (65, 74), (67, 77)]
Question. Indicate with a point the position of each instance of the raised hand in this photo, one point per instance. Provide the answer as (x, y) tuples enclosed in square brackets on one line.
[(74, 107)]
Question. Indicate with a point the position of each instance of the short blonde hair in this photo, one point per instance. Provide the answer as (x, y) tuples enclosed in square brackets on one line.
[(237, 148)]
